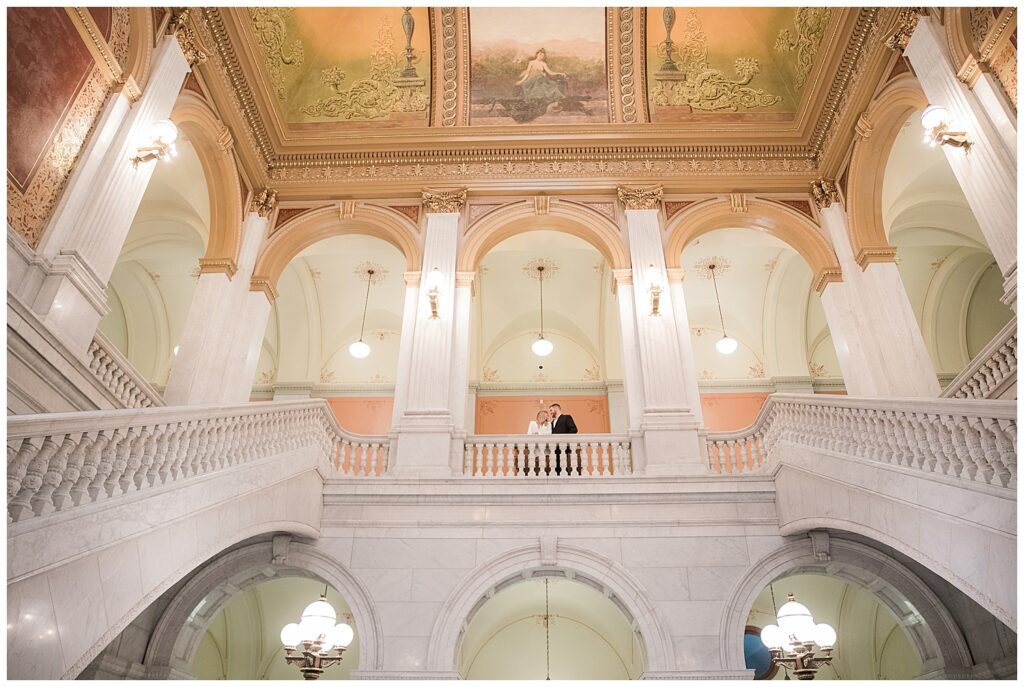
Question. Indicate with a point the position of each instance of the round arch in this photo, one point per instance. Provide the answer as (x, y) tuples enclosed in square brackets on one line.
[(565, 216), (316, 225), (587, 566), (178, 632), (887, 114), (938, 640), (195, 118), (140, 45), (784, 223)]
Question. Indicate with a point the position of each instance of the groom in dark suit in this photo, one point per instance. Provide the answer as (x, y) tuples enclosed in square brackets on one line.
[(562, 424)]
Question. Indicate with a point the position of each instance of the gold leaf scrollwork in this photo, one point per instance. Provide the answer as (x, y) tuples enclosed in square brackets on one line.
[(809, 26), (179, 28), (444, 201), (640, 198), (271, 27), (906, 22), (386, 90), (694, 83)]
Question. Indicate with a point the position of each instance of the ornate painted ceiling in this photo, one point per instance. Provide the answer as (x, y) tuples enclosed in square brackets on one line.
[(394, 97)]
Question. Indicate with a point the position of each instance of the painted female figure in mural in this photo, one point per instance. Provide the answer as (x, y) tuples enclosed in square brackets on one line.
[(539, 82)]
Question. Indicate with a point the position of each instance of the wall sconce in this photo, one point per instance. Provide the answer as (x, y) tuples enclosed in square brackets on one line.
[(433, 291), (163, 134), (655, 285), (936, 122)]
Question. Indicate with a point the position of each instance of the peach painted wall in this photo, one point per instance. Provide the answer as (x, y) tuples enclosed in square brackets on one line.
[(726, 412), (512, 414), (370, 415)]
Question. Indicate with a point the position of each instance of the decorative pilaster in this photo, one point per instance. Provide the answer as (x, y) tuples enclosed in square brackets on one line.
[(412, 292), (675, 287), (668, 421), (988, 172), (77, 253), (425, 429), (878, 342), (226, 322)]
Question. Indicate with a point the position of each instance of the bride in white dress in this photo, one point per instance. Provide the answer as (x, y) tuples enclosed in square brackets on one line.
[(542, 425)]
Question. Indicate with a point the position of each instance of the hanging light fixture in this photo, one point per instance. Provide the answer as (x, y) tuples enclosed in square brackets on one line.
[(361, 349), (161, 146), (726, 345), (542, 346), (322, 642), (792, 641)]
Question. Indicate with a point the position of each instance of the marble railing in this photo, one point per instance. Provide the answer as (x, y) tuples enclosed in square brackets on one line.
[(994, 368), (971, 440), (62, 460), (117, 376), (546, 455)]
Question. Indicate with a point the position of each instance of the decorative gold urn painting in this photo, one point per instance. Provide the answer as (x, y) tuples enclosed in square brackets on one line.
[(750, 63), (347, 64), (537, 65)]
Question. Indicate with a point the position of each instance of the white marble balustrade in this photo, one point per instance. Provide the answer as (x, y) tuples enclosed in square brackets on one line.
[(561, 455), (118, 376), (972, 440), (992, 372), (58, 461)]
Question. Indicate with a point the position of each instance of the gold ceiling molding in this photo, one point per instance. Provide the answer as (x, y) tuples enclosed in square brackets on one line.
[(443, 201), (640, 198), (825, 277), (626, 80), (265, 286), (906, 22), (109, 57), (424, 162)]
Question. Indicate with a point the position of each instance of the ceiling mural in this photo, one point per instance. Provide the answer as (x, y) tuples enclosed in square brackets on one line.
[(379, 72), (727, 60), (538, 66)]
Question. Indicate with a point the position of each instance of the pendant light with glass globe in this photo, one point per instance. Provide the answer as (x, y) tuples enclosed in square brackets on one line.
[(542, 346), (361, 349), (792, 642), (726, 345), (316, 642)]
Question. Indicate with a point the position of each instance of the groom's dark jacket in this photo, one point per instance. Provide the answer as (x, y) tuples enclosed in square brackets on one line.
[(564, 425)]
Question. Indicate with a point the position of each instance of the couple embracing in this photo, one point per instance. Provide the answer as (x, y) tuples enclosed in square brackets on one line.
[(552, 421)]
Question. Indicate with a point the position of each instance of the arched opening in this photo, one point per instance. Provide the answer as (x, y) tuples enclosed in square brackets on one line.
[(549, 625), (872, 644), (323, 292), (153, 281), (241, 638), (950, 275), (761, 291), (583, 371)]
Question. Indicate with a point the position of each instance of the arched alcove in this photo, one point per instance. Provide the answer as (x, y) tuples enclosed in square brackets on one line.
[(562, 628)]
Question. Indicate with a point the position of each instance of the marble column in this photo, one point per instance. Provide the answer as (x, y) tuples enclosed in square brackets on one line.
[(670, 428), (66, 286), (411, 308), (987, 172), (427, 423), (878, 341), (632, 377), (460, 349), (675, 285), (224, 328)]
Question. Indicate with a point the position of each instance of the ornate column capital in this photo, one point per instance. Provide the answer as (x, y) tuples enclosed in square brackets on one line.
[(675, 275), (464, 279), (443, 201), (179, 28), (412, 279), (824, 192), (623, 277), (263, 202), (640, 198), (906, 22)]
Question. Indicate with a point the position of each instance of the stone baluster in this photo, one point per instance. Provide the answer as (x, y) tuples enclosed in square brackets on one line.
[(82, 468), (42, 500), (18, 459), (20, 506)]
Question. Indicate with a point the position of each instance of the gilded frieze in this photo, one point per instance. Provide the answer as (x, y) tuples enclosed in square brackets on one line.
[(808, 29)]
